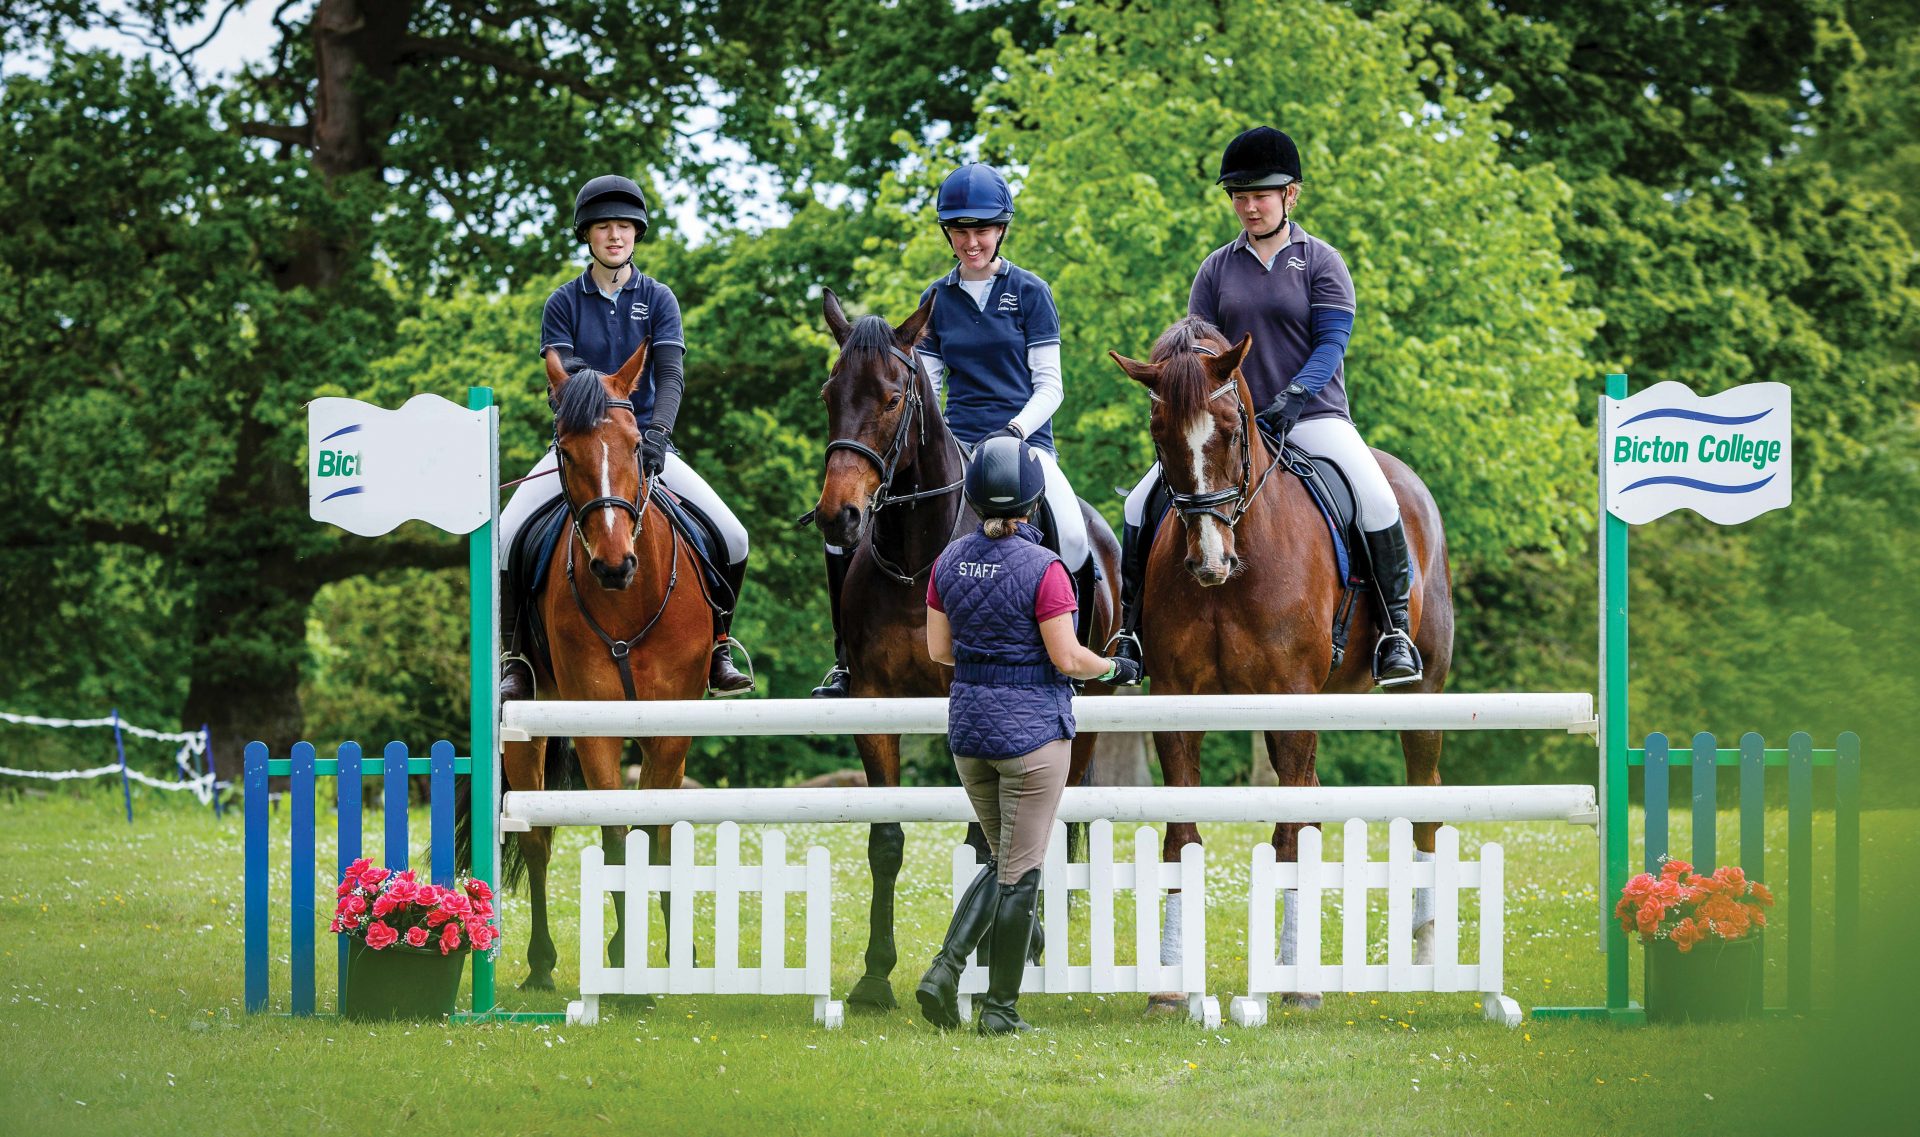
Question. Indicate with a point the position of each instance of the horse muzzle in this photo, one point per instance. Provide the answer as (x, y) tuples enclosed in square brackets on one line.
[(1215, 573), (613, 577), (844, 527)]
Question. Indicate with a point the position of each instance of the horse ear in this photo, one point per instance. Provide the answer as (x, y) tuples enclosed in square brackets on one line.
[(556, 374), (909, 333), (1228, 361), (1145, 374), (836, 319), (628, 377)]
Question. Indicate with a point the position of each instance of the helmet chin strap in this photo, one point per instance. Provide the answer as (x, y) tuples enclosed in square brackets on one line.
[(622, 264)]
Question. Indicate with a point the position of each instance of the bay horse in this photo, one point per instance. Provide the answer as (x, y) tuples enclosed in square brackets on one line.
[(644, 632), (1240, 599), (891, 492)]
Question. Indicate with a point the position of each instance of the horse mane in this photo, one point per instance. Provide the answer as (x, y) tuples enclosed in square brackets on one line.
[(582, 401), (1184, 380)]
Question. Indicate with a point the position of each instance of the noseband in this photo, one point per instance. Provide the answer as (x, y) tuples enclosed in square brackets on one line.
[(635, 508), (1192, 506)]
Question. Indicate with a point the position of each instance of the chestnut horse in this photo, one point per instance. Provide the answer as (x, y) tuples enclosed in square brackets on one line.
[(892, 493), (1243, 601), (640, 629)]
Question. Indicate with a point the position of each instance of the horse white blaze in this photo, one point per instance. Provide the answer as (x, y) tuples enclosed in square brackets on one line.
[(1212, 549), (606, 486)]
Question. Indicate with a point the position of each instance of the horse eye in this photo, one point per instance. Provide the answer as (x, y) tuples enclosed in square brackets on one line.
[(893, 402)]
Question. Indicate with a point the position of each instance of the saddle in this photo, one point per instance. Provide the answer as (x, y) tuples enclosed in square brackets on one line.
[(1332, 495), (532, 552)]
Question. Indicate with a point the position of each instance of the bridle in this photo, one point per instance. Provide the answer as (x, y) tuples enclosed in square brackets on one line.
[(635, 508), (1191, 506)]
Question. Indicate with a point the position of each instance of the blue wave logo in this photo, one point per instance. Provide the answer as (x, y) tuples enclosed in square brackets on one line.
[(351, 490), (356, 428), (1697, 416), (1697, 484)]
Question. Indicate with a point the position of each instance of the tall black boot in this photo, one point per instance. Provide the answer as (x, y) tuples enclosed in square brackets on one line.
[(939, 990), (1012, 935), (1396, 662), (724, 680), (1133, 571), (838, 680), (516, 672)]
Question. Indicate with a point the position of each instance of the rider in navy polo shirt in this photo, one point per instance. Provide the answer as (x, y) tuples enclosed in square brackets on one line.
[(993, 343), (598, 321), (1292, 292)]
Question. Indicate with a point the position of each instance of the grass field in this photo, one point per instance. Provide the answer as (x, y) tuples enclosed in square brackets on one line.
[(120, 966)]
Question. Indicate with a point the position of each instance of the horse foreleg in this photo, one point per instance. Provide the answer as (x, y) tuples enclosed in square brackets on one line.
[(1421, 748), (1179, 753), (1292, 753), (886, 847), (536, 848)]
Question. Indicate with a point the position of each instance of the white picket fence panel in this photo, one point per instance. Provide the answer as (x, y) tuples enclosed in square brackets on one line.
[(1100, 878), (635, 883), (1352, 877)]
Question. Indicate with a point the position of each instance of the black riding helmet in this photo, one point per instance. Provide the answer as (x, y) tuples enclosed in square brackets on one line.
[(609, 197), (1005, 478), (1259, 158)]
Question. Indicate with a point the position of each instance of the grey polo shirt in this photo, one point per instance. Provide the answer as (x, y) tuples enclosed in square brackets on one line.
[(1238, 294)]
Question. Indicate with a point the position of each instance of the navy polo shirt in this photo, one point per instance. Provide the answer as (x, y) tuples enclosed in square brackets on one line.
[(605, 333), (1237, 294), (985, 349)]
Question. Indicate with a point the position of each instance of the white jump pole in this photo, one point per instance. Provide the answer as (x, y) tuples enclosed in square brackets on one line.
[(1119, 804), (1572, 712)]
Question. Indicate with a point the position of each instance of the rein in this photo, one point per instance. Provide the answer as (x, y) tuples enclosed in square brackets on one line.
[(1196, 505)]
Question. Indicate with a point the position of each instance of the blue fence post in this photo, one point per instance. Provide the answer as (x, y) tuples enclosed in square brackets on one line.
[(394, 802), (254, 785), (1706, 801), (347, 822), (1655, 784), (440, 829), (120, 748), (300, 806)]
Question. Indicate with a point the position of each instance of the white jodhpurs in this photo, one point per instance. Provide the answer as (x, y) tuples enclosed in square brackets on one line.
[(1336, 438), (1070, 528), (679, 477)]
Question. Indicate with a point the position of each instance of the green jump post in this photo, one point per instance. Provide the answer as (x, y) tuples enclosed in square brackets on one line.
[(483, 637), (1613, 721)]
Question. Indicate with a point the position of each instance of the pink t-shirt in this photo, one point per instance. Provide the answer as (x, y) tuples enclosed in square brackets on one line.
[(1054, 598)]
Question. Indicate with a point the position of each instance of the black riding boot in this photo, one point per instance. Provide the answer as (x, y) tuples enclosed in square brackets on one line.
[(516, 673), (1013, 922), (836, 684), (939, 990), (724, 680), (1396, 662), (1133, 571)]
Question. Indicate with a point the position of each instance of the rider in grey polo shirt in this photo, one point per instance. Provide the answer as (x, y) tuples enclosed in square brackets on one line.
[(1291, 290)]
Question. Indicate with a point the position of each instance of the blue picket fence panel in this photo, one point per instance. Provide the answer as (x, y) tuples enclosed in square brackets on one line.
[(304, 771)]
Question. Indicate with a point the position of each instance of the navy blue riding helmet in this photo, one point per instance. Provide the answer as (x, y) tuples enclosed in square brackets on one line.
[(1005, 478), (973, 195), (609, 197), (1259, 158)]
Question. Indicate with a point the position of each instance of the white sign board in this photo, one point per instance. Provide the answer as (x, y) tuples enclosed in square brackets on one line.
[(369, 469), (1727, 457)]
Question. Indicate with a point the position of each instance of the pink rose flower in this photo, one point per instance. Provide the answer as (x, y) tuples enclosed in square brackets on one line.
[(416, 937), (403, 891), (479, 891), (449, 938), (379, 935), (354, 905), (483, 936), (373, 875), (356, 868)]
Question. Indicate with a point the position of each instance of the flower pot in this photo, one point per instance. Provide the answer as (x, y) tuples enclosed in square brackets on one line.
[(1711, 983), (401, 982)]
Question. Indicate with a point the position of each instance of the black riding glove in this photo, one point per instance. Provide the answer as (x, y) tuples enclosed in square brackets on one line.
[(1126, 672), (1280, 415), (1010, 430), (654, 442)]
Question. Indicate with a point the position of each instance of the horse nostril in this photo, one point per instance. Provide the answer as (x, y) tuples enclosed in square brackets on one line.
[(1193, 564), (628, 564)]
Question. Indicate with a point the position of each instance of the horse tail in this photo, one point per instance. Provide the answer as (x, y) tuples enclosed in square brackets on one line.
[(562, 773)]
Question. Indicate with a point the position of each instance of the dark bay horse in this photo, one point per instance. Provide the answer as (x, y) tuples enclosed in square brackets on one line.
[(1241, 598), (644, 595), (892, 493)]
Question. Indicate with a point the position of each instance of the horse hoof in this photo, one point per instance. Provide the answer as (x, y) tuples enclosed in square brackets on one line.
[(872, 993), (1166, 1004), (1303, 1000), (1423, 945), (538, 981)]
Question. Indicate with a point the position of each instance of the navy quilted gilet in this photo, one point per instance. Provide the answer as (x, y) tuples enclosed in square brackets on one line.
[(1008, 698)]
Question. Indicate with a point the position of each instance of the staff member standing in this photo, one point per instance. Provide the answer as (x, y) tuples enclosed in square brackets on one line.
[(1000, 612), (1292, 292)]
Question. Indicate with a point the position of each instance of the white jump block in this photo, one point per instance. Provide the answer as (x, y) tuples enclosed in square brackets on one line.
[(1352, 877), (1100, 878), (634, 885)]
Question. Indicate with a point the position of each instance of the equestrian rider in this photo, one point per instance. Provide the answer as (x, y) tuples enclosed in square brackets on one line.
[(1291, 290), (1000, 612), (598, 320), (994, 337)]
